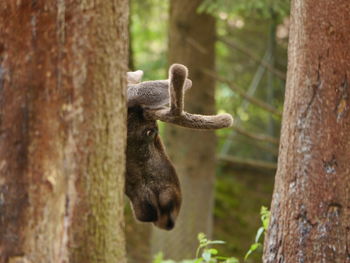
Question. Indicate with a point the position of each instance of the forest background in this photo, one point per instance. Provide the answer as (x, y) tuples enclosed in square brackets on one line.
[(251, 39)]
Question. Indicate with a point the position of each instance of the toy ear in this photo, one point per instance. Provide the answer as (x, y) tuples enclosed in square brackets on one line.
[(134, 77)]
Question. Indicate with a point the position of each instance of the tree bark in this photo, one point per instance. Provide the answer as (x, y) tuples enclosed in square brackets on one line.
[(191, 42), (62, 130), (310, 208)]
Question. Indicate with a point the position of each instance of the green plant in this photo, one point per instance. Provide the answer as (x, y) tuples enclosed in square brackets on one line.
[(265, 218), (206, 254)]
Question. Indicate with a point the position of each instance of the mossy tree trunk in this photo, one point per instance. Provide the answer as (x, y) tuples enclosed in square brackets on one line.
[(62, 130), (310, 208), (191, 42)]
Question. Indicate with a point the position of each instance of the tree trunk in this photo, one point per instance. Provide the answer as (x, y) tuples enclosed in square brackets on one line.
[(310, 208), (191, 42), (138, 247), (62, 130)]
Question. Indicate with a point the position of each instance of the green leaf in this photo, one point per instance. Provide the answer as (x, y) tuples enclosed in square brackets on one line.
[(231, 260), (206, 255), (202, 238), (212, 242), (213, 251), (252, 248), (265, 217), (199, 260), (259, 233), (158, 258)]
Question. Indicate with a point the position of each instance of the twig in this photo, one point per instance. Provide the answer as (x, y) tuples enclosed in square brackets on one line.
[(280, 74), (255, 143), (248, 162), (259, 137), (196, 45), (243, 94)]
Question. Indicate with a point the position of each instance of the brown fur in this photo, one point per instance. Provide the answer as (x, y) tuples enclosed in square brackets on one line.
[(151, 181), (152, 184)]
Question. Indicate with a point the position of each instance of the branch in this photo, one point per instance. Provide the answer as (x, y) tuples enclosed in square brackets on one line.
[(242, 93), (255, 143), (196, 45), (280, 74), (259, 137), (248, 162), (267, 149)]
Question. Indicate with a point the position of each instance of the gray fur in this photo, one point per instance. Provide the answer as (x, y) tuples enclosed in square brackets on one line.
[(153, 95), (193, 121), (177, 76)]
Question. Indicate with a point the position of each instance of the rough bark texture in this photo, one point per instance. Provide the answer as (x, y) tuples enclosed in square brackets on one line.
[(310, 219), (62, 130), (191, 42)]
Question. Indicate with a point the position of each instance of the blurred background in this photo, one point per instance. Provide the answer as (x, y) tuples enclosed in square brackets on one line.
[(236, 52)]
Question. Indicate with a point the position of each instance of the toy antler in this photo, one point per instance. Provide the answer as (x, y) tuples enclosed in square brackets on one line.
[(176, 115)]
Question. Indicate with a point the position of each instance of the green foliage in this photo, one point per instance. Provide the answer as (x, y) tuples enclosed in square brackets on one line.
[(265, 218), (149, 37), (206, 254), (260, 8)]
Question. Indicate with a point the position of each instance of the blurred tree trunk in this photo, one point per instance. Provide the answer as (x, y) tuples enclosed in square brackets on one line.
[(310, 208), (131, 62), (191, 42), (138, 247), (62, 130)]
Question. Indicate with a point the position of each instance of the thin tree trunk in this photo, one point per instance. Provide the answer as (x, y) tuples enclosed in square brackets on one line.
[(191, 42), (310, 208), (62, 130)]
